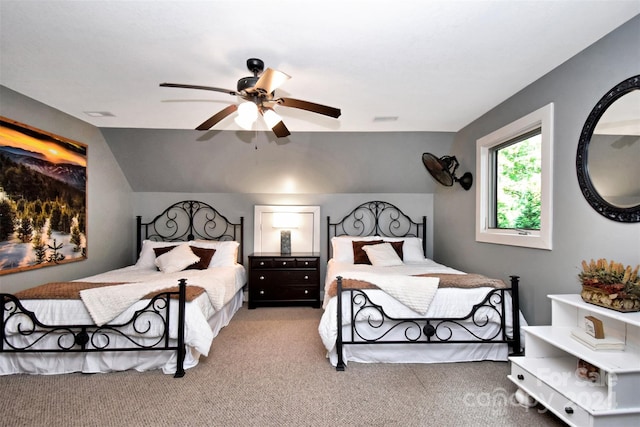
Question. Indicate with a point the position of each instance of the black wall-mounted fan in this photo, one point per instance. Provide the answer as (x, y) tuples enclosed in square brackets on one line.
[(443, 169), (259, 89)]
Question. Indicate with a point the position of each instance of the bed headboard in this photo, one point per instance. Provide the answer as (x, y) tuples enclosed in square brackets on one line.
[(190, 220), (377, 218)]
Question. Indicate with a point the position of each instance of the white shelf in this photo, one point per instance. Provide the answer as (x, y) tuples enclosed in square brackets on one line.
[(576, 301), (615, 361)]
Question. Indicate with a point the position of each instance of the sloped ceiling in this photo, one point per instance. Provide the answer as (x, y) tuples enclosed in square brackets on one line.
[(434, 65)]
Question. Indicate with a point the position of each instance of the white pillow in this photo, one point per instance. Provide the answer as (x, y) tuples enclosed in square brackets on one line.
[(382, 255), (343, 246), (226, 254), (411, 249), (177, 259), (147, 256)]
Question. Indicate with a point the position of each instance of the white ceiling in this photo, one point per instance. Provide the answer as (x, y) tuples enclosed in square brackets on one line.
[(436, 65)]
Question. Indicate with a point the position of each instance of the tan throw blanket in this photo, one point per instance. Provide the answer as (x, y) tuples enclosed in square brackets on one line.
[(467, 281), (71, 290), (446, 281), (104, 301), (415, 292)]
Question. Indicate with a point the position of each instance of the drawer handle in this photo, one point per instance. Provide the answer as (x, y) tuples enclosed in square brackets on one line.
[(284, 262), (261, 262), (261, 277), (306, 277), (568, 410), (520, 376), (306, 291), (261, 292), (306, 263)]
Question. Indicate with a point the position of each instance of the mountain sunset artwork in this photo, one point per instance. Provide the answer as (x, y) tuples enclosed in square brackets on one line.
[(43, 183)]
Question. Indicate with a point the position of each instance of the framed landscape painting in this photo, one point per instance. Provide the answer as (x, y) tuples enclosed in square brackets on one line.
[(43, 198)]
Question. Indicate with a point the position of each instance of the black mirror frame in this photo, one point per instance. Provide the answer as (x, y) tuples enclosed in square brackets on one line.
[(604, 208)]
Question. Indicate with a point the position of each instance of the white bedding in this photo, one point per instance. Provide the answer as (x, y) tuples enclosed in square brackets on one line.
[(447, 302), (202, 323)]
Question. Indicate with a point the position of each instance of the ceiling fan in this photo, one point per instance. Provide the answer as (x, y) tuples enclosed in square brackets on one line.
[(258, 93)]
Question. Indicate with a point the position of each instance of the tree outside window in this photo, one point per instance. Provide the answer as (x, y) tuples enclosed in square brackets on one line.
[(518, 183)]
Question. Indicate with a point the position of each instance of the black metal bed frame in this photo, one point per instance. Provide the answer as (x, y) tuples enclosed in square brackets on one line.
[(190, 220), (377, 218), (384, 219), (181, 221)]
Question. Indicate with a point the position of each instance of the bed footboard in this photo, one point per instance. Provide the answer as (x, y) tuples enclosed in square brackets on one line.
[(369, 324), (22, 332)]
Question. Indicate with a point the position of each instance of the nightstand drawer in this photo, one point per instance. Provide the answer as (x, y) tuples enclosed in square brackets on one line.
[(286, 293), (261, 263), (307, 262), (283, 277), (273, 263)]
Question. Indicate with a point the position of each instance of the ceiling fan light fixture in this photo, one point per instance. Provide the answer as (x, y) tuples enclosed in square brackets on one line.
[(247, 115), (248, 111), (271, 118), (443, 170), (244, 123)]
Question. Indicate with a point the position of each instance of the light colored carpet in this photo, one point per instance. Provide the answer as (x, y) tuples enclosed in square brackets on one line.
[(268, 368)]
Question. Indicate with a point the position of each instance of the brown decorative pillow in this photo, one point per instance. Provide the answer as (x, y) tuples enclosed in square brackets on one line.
[(397, 246), (360, 256), (163, 250), (205, 255)]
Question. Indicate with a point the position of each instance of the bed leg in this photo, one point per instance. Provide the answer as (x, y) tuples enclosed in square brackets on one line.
[(340, 364), (181, 348), (515, 312)]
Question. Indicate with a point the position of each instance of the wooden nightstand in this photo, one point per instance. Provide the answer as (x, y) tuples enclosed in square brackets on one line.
[(276, 279)]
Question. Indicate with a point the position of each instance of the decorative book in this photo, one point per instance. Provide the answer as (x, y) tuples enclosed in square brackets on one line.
[(593, 326), (583, 337)]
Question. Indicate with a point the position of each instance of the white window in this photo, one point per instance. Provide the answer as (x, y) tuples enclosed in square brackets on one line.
[(514, 196)]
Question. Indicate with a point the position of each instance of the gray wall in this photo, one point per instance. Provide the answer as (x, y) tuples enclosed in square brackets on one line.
[(579, 232), (110, 222), (255, 163)]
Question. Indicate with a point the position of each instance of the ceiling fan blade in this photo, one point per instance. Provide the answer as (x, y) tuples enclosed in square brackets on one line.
[(310, 106), (280, 130), (271, 79), (208, 124), (215, 89)]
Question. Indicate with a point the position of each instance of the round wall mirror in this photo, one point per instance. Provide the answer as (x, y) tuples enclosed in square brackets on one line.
[(608, 158)]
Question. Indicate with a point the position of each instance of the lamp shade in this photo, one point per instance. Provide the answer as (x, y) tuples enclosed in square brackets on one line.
[(286, 220)]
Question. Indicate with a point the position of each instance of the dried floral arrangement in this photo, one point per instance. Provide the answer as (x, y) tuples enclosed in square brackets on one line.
[(611, 284)]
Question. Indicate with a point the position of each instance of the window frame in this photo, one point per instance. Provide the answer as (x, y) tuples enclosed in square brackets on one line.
[(536, 239)]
